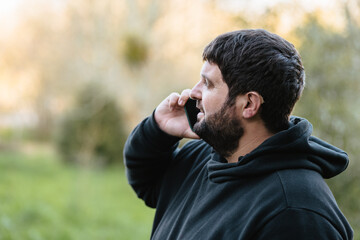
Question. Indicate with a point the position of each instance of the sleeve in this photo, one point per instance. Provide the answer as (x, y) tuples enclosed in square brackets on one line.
[(147, 153), (301, 224)]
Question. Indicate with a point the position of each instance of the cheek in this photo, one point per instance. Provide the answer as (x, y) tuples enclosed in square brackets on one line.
[(207, 104), (212, 105)]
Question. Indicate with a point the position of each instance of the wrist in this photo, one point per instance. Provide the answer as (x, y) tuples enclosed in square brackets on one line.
[(156, 130)]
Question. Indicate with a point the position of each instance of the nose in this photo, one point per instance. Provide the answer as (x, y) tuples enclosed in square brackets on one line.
[(196, 92)]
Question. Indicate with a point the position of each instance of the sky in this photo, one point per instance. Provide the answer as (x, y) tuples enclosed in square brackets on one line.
[(9, 15), (8, 7), (10, 11), (256, 5)]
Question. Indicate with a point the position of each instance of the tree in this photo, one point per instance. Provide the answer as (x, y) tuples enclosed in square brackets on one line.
[(93, 132), (330, 99)]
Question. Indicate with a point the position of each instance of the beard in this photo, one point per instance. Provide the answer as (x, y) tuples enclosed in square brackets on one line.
[(221, 130)]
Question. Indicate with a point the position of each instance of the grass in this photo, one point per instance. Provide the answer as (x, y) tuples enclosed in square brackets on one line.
[(41, 198)]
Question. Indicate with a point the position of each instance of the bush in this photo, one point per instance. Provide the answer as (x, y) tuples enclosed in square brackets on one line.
[(92, 133)]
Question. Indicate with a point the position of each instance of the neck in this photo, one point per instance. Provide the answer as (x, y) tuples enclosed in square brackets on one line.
[(253, 136)]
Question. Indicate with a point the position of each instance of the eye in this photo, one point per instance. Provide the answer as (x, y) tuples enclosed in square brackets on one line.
[(208, 83)]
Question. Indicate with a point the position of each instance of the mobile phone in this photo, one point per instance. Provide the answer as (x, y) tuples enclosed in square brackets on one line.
[(191, 112)]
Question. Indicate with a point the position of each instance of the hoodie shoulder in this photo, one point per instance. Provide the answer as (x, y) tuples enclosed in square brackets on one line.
[(306, 192), (309, 210), (298, 224), (305, 189)]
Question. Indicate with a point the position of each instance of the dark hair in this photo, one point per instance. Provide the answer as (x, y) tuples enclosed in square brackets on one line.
[(257, 60)]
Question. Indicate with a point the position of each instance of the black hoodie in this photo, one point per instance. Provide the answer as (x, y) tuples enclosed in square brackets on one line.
[(276, 191)]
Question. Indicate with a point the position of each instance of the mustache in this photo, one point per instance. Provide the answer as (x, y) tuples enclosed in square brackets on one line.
[(199, 106)]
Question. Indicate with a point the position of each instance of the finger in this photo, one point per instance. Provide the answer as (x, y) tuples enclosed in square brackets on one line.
[(173, 100), (185, 95)]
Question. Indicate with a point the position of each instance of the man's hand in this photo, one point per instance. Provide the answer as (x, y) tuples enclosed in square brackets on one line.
[(171, 118)]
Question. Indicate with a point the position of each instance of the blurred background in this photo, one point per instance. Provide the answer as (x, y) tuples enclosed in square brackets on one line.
[(76, 77)]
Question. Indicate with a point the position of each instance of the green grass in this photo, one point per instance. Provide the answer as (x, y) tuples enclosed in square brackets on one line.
[(43, 199), (40, 198)]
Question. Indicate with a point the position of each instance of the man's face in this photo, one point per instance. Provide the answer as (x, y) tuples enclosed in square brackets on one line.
[(210, 92), (217, 123)]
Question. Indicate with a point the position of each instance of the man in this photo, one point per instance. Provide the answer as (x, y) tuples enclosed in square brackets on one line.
[(252, 172)]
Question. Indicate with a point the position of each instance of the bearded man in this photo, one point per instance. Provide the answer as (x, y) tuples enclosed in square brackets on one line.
[(252, 171)]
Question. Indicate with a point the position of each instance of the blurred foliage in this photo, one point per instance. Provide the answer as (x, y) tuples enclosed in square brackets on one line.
[(93, 132), (135, 50), (42, 199), (331, 98)]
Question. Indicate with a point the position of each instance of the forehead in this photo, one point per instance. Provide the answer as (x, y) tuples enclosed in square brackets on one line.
[(211, 71)]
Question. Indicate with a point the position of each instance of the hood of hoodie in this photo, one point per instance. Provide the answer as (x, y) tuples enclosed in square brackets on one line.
[(293, 148)]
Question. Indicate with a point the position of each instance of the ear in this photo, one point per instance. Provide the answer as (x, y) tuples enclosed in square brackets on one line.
[(252, 105)]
